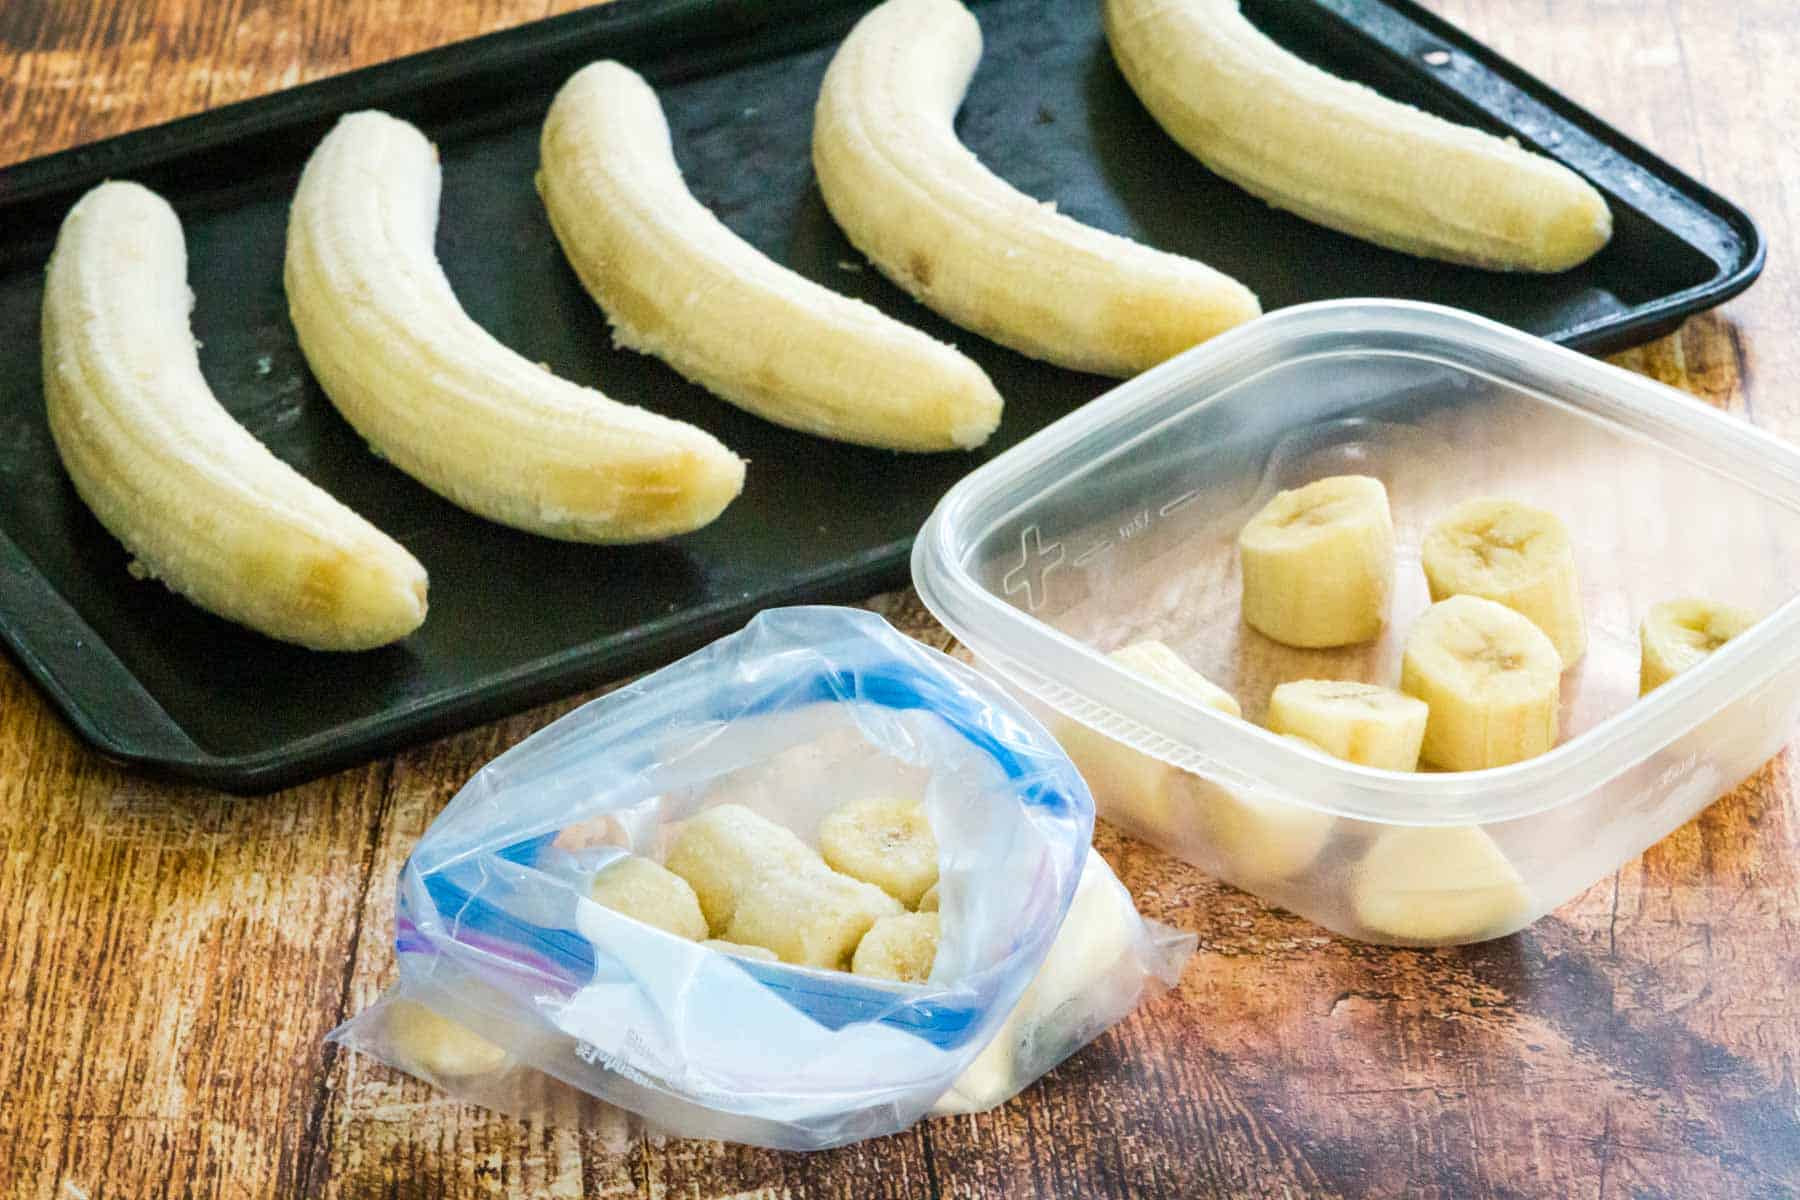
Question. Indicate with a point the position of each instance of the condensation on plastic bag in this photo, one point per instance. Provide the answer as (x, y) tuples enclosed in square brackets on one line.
[(803, 710)]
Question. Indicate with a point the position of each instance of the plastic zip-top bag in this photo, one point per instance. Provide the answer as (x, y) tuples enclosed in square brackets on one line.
[(516, 982)]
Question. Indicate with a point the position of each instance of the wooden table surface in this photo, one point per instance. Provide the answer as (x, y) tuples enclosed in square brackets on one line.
[(171, 958)]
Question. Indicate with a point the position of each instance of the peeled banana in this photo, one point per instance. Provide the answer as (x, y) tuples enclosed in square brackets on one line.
[(1343, 155), (1438, 885), (1318, 563), (723, 851), (1357, 722), (1678, 634), (647, 892), (201, 504), (1492, 681), (901, 948), (883, 840), (931, 218), (438, 396), (436, 1047), (1515, 555), (676, 283)]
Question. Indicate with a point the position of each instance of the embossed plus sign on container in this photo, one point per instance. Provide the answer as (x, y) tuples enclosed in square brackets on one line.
[(1118, 525), (1030, 575)]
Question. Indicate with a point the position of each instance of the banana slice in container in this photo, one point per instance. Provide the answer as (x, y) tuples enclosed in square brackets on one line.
[(1515, 555), (1100, 933), (1249, 838), (437, 1047), (723, 851), (1438, 885), (1130, 786), (1678, 634), (1257, 840), (1357, 722), (1156, 661), (1492, 681), (1318, 563), (812, 918)]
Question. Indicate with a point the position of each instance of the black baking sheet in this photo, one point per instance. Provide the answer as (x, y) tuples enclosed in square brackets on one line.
[(516, 619)]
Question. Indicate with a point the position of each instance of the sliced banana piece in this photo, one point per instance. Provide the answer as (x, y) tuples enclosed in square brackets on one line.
[(1157, 662), (1492, 681), (723, 851), (1343, 155), (648, 892), (883, 840), (1250, 838), (676, 283), (1253, 839), (901, 948), (438, 396), (1515, 555), (201, 504), (1129, 786), (437, 1047), (1318, 563), (739, 950), (1679, 634), (943, 227), (1357, 722), (813, 918), (1438, 886), (929, 901)]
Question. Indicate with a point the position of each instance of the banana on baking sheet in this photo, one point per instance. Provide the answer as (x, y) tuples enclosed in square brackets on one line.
[(200, 503), (1344, 155), (438, 396), (966, 244), (676, 283)]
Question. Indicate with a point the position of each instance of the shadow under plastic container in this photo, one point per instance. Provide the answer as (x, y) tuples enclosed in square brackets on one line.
[(1118, 524)]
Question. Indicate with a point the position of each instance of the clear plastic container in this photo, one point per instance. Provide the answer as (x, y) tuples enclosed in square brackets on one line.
[(1118, 524)]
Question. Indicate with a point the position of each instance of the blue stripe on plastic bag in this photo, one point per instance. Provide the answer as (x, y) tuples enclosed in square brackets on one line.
[(833, 1003)]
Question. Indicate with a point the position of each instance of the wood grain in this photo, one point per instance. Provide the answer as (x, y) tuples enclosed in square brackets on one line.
[(171, 958)]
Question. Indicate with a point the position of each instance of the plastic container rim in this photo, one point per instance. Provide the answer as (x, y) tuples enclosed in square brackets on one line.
[(1169, 727)]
